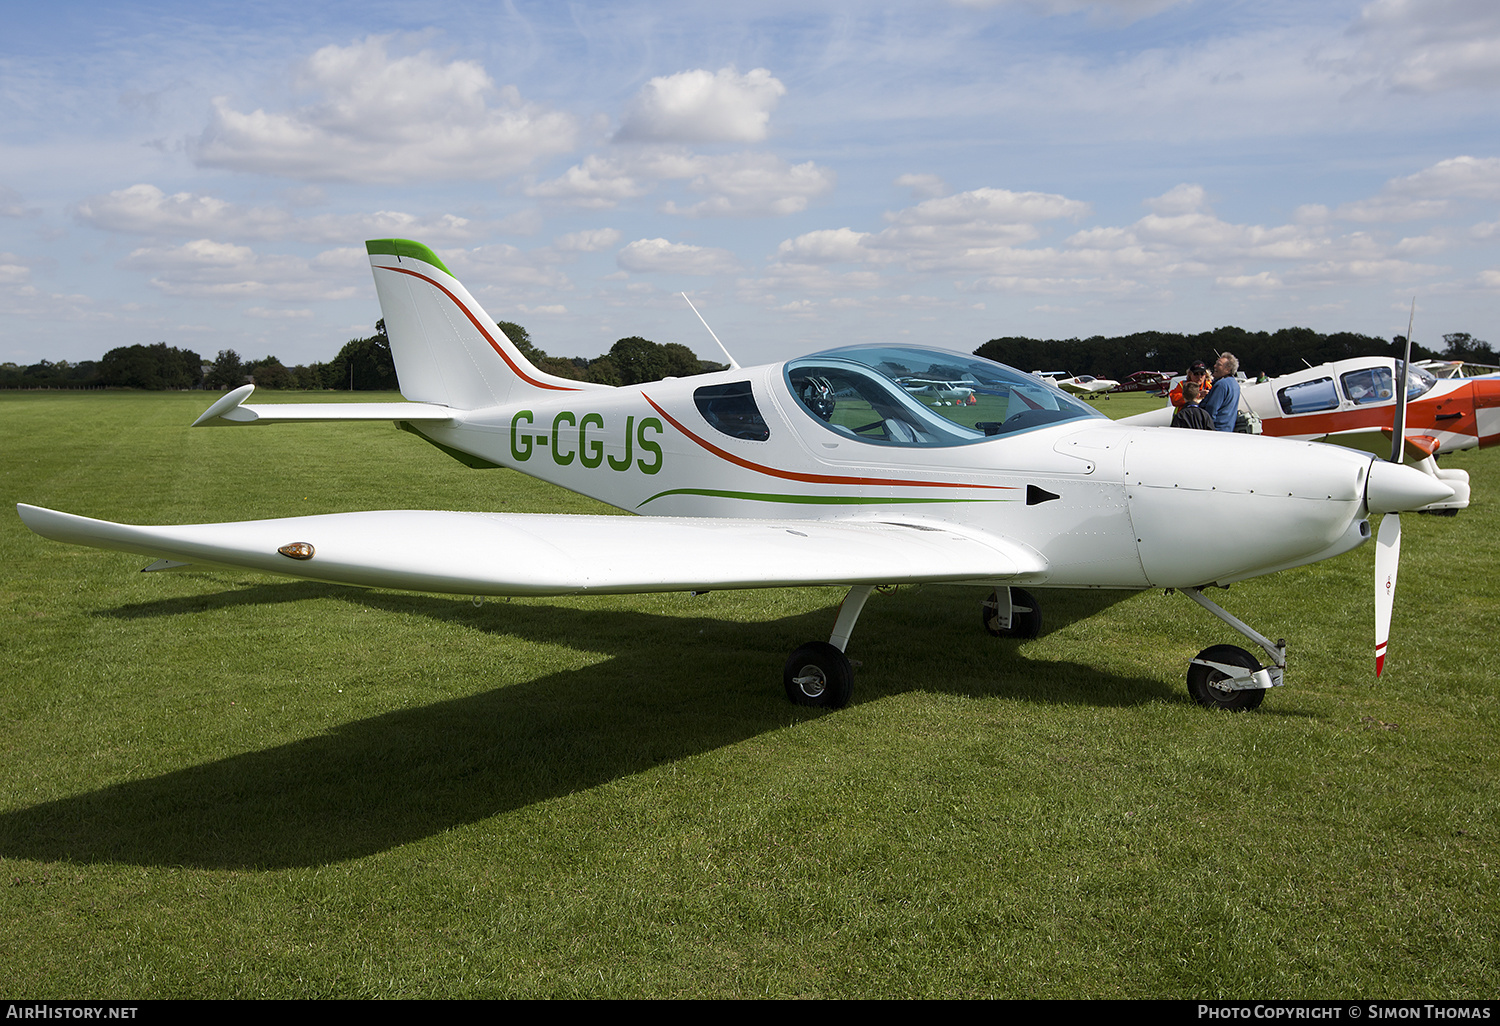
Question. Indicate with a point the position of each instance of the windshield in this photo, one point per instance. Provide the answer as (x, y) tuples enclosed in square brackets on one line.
[(1373, 384), (898, 395)]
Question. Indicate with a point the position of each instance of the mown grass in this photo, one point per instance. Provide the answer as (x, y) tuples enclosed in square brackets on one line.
[(229, 785)]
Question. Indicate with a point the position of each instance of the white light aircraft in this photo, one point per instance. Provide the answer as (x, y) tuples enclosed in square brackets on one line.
[(943, 392), (819, 471)]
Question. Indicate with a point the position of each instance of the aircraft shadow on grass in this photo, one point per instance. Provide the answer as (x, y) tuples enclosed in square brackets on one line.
[(695, 684)]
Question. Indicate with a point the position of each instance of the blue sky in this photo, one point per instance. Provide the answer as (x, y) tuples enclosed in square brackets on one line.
[(812, 174)]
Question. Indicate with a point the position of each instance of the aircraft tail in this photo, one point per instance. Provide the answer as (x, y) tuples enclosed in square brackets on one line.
[(447, 349)]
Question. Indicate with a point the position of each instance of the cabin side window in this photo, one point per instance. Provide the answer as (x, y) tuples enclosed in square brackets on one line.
[(1308, 397), (730, 408)]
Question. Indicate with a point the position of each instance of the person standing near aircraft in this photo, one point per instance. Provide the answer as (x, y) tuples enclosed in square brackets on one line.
[(1223, 402), (1191, 415), (1198, 375)]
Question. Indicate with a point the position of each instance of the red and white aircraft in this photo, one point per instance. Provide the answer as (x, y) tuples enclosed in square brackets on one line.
[(821, 470), (1353, 403)]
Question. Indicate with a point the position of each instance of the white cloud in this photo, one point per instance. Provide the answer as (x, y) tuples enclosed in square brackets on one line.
[(750, 184), (1463, 177), (277, 313), (146, 210), (645, 255), (700, 106), (204, 268), (828, 245), (923, 186), (376, 118), (12, 270), (1180, 199), (1106, 10), (587, 242), (1430, 46), (596, 183), (740, 184), (502, 270)]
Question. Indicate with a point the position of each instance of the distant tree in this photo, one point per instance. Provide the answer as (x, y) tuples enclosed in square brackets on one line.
[(365, 364), (227, 372), (639, 360), (1463, 346), (269, 373), (681, 361), (521, 339), (604, 371), (156, 366)]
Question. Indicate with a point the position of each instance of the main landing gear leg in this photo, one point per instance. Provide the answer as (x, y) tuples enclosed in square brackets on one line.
[(1227, 677), (818, 673)]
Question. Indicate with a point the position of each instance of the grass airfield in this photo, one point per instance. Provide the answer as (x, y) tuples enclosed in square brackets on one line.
[(233, 785)]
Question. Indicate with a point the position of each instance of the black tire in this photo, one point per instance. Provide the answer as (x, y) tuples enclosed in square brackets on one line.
[(1200, 680), (1025, 615), (819, 675)]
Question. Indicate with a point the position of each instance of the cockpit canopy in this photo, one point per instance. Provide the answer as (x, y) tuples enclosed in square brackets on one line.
[(900, 395)]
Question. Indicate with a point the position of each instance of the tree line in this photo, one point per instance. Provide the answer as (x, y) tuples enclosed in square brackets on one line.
[(1272, 353), (366, 364), (363, 364)]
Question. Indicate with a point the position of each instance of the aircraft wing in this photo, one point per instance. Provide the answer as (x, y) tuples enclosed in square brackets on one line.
[(557, 554)]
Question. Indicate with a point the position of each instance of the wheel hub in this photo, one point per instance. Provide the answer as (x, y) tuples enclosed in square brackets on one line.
[(811, 681)]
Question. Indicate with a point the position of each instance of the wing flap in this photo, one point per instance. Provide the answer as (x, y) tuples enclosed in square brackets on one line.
[(556, 554)]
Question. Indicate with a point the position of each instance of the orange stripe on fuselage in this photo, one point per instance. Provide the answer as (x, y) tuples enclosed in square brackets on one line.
[(1421, 414)]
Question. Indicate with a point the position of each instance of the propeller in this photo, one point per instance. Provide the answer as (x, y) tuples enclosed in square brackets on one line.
[(1388, 540)]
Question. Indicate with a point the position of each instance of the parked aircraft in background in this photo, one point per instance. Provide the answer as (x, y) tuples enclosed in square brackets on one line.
[(1457, 369), (1145, 381), (1353, 402), (942, 392), (1076, 384), (822, 470)]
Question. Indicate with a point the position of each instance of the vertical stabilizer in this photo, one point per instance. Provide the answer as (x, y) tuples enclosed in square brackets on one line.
[(447, 349)]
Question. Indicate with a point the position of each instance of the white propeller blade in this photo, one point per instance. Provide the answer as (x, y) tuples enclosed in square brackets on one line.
[(1387, 561), (1388, 541)]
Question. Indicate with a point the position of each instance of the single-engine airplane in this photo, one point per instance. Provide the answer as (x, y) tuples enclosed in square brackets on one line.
[(822, 470), (1353, 403), (1145, 381)]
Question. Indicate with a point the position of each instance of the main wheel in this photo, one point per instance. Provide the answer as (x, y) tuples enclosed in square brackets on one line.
[(1025, 615), (1203, 681), (818, 674)]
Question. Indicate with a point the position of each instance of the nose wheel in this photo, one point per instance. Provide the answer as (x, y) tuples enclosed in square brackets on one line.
[(1227, 677), (1211, 678)]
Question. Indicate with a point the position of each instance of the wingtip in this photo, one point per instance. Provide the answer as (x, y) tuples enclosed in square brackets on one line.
[(224, 404)]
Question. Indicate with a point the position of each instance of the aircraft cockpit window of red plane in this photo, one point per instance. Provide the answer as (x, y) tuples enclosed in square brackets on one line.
[(1368, 385), (1373, 384), (896, 395), (731, 408)]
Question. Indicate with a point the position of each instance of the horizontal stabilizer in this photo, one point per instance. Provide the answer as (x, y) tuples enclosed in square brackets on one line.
[(230, 410), (556, 554)]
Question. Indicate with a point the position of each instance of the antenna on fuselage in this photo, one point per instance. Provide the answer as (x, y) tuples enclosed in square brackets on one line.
[(733, 363)]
